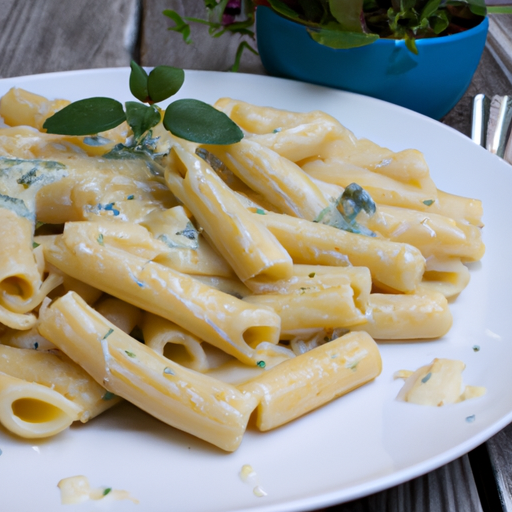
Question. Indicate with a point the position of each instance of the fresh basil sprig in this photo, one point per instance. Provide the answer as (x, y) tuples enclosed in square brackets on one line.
[(190, 119)]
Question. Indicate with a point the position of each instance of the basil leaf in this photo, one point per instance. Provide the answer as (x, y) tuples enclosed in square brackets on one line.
[(86, 117), (139, 82), (141, 117), (196, 121), (164, 82)]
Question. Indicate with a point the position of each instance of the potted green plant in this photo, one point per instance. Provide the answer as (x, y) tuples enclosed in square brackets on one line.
[(420, 54)]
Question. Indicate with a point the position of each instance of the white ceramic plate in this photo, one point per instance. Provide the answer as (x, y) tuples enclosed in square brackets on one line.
[(357, 445)]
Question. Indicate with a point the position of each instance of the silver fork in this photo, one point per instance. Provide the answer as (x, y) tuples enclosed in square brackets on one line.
[(491, 124)]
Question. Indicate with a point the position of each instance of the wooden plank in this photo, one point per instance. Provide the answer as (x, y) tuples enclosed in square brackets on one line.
[(449, 488), (500, 453), (162, 46), (51, 35)]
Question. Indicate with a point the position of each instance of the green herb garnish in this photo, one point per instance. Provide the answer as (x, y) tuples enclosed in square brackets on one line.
[(168, 371), (108, 396), (261, 364), (342, 213), (426, 378), (109, 332), (35, 245), (189, 119), (130, 354), (312, 274), (107, 491), (428, 202), (476, 348), (100, 239)]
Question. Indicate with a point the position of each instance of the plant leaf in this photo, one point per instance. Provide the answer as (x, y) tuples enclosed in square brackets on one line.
[(341, 40), (164, 82), (347, 14), (181, 26), (139, 82), (86, 117), (430, 8), (284, 10), (196, 121), (141, 117), (243, 45)]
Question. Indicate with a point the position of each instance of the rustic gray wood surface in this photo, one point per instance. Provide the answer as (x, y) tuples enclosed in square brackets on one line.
[(51, 35)]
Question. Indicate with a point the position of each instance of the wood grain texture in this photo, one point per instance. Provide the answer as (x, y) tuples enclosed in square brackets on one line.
[(500, 453), (450, 488), (52, 35), (204, 53)]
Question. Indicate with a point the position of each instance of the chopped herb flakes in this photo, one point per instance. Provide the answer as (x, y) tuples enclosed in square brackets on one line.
[(215, 163), (36, 345), (100, 239), (130, 197), (110, 208), (352, 365), (130, 354), (471, 419), (189, 232), (312, 274), (108, 396), (109, 332), (428, 202), (35, 245), (261, 364), (107, 491), (476, 348), (260, 211), (168, 371), (426, 378)]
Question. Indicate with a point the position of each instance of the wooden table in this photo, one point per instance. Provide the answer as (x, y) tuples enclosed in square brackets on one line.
[(51, 35)]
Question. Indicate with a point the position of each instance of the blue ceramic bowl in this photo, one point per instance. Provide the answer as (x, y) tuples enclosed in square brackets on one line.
[(431, 82)]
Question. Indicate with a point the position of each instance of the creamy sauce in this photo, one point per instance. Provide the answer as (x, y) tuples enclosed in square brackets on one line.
[(439, 383), (249, 476), (76, 489)]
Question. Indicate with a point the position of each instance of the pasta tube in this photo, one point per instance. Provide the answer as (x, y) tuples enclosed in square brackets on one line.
[(397, 266), (311, 309), (57, 372), (304, 383), (167, 338), (20, 107), (434, 234), (223, 320), (33, 411), (283, 183), (21, 286), (422, 315), (247, 245), (185, 399)]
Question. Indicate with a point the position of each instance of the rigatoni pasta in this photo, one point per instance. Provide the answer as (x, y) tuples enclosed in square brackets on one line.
[(224, 261)]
